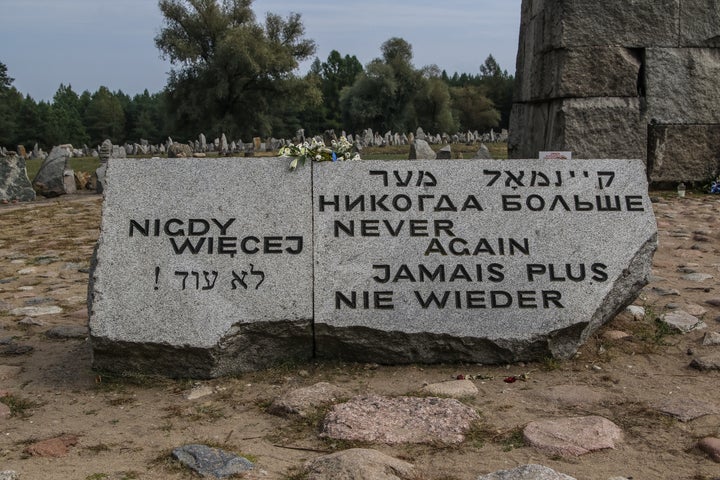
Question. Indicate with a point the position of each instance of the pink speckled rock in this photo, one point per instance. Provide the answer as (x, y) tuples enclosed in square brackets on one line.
[(572, 436)]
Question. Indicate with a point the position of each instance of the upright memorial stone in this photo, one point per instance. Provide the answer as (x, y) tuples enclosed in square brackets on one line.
[(203, 268), (493, 261)]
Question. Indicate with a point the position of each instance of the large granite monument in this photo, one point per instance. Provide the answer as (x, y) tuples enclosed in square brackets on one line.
[(207, 267)]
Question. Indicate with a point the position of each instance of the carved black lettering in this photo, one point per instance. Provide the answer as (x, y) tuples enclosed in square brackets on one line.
[(526, 299), (404, 273), (378, 203), (349, 229), (435, 247), (510, 203), (223, 226), (471, 203), (197, 227), (444, 226), (534, 270), (358, 202), (402, 203), (272, 245), (551, 297), (383, 300), (244, 245), (143, 230), (496, 272), (425, 274), (500, 299), (432, 299), (384, 276), (334, 203), (381, 173), (174, 233), (298, 245), (188, 245), (634, 203), (445, 204), (598, 269), (369, 228), (419, 228)]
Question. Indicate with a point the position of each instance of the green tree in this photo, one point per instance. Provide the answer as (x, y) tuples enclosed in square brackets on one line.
[(383, 96), (231, 73), (65, 116), (104, 117), (433, 104), (10, 102), (473, 110), (499, 86)]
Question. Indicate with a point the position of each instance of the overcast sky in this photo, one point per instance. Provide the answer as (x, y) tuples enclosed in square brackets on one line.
[(89, 43)]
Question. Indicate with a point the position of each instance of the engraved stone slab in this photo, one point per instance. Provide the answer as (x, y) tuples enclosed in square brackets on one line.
[(204, 267), (493, 261)]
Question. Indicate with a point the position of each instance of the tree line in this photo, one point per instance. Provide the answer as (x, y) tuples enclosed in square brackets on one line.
[(235, 75)]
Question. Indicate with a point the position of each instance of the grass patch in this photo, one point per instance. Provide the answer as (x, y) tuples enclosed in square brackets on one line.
[(79, 164), (19, 407)]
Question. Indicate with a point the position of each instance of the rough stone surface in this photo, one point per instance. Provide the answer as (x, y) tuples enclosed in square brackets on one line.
[(607, 71), (682, 86), (683, 321), (685, 409), (420, 149), (52, 447), (205, 314), (483, 153), (378, 419), (179, 150), (67, 331), (700, 23), (589, 127), (711, 338), (208, 461), (526, 472), (668, 148), (388, 258), (305, 401), (445, 153), (49, 181), (9, 475), (453, 388), (707, 362), (636, 311), (711, 446), (14, 182), (572, 436), (359, 464)]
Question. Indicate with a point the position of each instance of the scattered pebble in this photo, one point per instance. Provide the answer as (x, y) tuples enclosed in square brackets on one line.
[(572, 436), (695, 310), (685, 409), (27, 271), (662, 292), (453, 388), (707, 362), (5, 411), (615, 335), (305, 401), (9, 475), (67, 331), (199, 391), (36, 311), (209, 461), (637, 312), (31, 322), (697, 277), (711, 338), (394, 420), (683, 322), (359, 463), (711, 446), (52, 447), (526, 472)]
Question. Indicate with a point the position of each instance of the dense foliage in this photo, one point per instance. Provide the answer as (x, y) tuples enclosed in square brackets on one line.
[(234, 75)]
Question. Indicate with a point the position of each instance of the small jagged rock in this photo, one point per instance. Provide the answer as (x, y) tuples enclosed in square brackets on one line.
[(527, 472), (572, 436), (394, 420), (359, 464), (711, 446), (209, 461), (453, 388), (683, 322), (304, 401), (52, 447)]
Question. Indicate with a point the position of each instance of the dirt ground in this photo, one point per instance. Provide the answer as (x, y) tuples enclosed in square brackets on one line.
[(127, 426)]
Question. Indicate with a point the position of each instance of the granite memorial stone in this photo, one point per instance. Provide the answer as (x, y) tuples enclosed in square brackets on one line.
[(14, 182), (495, 261), (203, 268)]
